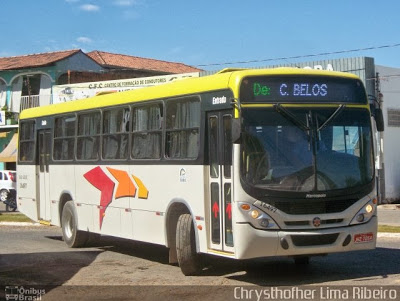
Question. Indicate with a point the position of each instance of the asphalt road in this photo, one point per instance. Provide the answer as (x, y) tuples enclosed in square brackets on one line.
[(113, 268), (36, 256)]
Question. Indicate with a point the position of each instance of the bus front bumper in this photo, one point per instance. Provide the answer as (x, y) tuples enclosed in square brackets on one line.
[(254, 243)]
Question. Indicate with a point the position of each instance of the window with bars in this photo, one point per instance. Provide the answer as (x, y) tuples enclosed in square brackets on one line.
[(393, 117)]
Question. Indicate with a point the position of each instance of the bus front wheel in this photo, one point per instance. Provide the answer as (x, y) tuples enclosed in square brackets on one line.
[(72, 236), (188, 258)]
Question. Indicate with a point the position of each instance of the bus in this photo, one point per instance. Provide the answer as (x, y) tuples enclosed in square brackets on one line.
[(241, 164)]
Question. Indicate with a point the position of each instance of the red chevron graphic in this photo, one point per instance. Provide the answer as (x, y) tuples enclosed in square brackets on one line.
[(102, 182), (125, 186)]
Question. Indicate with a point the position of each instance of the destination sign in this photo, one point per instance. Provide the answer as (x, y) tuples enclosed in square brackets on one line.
[(302, 89)]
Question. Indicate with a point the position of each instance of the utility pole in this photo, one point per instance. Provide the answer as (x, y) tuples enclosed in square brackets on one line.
[(380, 164)]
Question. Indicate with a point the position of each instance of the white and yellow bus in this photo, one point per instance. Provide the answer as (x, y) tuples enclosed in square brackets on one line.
[(241, 164)]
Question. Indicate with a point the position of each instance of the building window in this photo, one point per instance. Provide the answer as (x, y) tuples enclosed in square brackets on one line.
[(31, 85), (182, 128), (147, 131), (27, 141), (115, 134), (88, 142), (393, 117)]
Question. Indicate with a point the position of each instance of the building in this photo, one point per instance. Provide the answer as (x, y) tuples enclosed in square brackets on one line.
[(27, 81), (389, 88)]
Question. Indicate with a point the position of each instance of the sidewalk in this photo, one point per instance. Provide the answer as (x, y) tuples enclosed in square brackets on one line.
[(389, 214)]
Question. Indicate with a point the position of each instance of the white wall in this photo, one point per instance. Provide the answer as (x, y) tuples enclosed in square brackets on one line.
[(390, 88)]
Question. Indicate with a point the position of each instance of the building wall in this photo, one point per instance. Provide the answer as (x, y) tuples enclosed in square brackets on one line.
[(77, 62), (363, 67), (390, 88)]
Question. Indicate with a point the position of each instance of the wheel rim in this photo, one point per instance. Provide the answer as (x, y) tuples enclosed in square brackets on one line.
[(3, 195), (69, 226)]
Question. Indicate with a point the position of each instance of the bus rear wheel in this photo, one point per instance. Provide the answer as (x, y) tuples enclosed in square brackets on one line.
[(72, 236), (188, 258)]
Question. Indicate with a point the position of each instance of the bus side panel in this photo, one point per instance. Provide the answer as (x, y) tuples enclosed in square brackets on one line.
[(87, 197), (27, 188), (105, 201), (131, 201), (62, 179), (166, 184)]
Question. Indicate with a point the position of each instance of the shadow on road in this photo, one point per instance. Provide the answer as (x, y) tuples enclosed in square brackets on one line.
[(43, 268), (369, 265), (127, 247)]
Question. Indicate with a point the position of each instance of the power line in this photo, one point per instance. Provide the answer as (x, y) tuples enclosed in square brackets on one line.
[(301, 56)]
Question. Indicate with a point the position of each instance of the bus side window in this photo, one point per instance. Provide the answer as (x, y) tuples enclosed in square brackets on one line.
[(182, 128), (27, 141), (88, 136), (64, 138), (147, 131), (115, 133)]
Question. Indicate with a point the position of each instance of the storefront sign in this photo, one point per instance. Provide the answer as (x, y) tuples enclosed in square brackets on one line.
[(63, 93)]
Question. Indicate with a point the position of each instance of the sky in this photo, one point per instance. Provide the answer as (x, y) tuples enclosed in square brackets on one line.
[(208, 34)]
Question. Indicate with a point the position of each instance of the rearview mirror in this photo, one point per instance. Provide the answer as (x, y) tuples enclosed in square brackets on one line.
[(236, 130), (380, 123)]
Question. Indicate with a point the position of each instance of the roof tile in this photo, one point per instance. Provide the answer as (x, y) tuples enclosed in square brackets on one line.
[(107, 59), (35, 60)]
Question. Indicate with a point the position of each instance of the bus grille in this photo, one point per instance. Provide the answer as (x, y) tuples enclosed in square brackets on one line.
[(313, 207), (314, 240), (307, 222)]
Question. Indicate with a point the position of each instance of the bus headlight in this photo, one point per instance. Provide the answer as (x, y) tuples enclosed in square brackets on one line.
[(256, 217), (369, 208), (255, 213), (365, 214)]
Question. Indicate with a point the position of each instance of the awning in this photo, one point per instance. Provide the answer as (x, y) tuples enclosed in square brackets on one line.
[(9, 154)]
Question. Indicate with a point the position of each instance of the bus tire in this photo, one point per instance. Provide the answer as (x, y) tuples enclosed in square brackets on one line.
[(188, 258), (72, 236), (3, 195)]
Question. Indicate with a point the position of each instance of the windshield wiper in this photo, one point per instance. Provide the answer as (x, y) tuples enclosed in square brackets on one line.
[(330, 118), (292, 118)]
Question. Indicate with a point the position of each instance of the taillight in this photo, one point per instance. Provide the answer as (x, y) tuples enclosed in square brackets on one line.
[(12, 176)]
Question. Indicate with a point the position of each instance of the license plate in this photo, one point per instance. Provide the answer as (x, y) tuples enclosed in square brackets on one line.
[(363, 237)]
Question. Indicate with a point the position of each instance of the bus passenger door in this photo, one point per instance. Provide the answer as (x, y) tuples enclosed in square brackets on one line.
[(44, 179), (219, 129)]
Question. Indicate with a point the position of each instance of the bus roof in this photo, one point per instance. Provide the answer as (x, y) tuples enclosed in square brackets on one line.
[(226, 78)]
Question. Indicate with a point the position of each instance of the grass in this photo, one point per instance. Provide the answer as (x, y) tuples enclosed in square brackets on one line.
[(389, 229), (14, 217)]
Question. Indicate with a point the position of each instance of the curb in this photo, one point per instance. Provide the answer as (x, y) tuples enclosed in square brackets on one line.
[(389, 207), (388, 235), (19, 224)]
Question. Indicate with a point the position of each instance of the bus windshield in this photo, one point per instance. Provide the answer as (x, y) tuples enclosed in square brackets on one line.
[(306, 149)]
